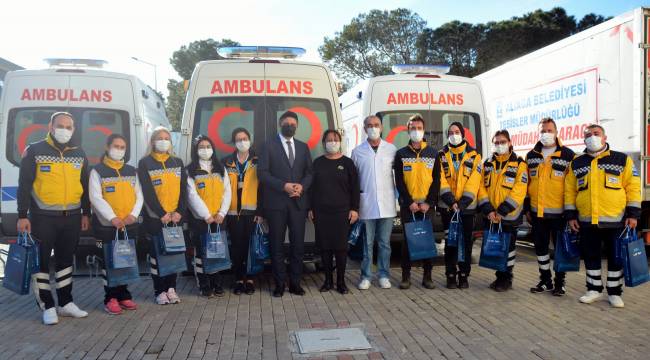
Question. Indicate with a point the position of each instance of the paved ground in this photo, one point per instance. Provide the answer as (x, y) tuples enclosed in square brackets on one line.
[(415, 324)]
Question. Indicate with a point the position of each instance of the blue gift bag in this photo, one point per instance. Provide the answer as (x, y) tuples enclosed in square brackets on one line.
[(260, 244), (215, 244), (455, 230), (356, 231), (254, 266), (499, 243), (166, 264), (172, 240), (564, 260), (571, 242), (22, 262), (420, 239), (122, 252), (213, 265), (635, 261), (355, 250), (118, 276)]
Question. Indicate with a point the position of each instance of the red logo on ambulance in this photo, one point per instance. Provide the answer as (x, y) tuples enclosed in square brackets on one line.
[(72, 95), (245, 86), (412, 98)]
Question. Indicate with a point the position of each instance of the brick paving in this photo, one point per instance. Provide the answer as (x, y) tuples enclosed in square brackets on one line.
[(414, 324)]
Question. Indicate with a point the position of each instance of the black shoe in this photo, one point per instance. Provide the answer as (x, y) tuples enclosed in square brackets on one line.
[(218, 290), (342, 288), (206, 292), (451, 282), (427, 282), (278, 291), (501, 285), (559, 289), (249, 288), (406, 282), (238, 288), (296, 290), (328, 283), (462, 281), (542, 286)]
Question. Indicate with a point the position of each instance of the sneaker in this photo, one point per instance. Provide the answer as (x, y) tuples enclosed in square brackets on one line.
[(172, 296), (559, 289), (162, 299), (590, 296), (50, 317), (616, 301), (384, 283), (128, 304), (112, 307), (364, 284), (239, 288), (542, 286), (71, 310)]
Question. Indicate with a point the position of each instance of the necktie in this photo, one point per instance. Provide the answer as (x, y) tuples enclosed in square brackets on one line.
[(292, 157)]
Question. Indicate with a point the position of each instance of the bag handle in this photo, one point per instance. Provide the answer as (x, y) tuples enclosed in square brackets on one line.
[(424, 216), (456, 215), (499, 230), (117, 234), (259, 229), (25, 239)]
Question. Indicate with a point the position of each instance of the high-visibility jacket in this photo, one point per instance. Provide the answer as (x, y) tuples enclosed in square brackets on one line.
[(414, 174), (208, 191), (602, 190), (53, 179), (164, 184), (246, 184), (546, 180), (503, 189), (118, 186), (460, 177)]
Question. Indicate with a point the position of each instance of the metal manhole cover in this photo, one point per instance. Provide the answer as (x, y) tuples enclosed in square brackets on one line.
[(329, 340)]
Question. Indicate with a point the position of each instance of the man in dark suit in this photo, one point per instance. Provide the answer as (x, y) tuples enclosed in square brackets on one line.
[(285, 171)]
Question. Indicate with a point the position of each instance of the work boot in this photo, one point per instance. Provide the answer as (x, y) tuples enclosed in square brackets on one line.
[(406, 281), (329, 282), (451, 281), (462, 281), (427, 282)]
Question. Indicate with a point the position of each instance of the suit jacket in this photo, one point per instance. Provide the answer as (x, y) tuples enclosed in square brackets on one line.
[(274, 172)]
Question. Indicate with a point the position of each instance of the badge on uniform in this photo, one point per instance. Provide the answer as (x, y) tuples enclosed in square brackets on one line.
[(200, 185), (109, 189), (157, 182), (240, 185), (524, 178), (44, 168), (77, 166), (612, 179), (581, 181), (533, 172), (558, 173), (510, 180), (340, 167), (407, 167)]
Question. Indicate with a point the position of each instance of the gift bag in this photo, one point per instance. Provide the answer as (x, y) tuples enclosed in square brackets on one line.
[(356, 231), (635, 261), (355, 250), (172, 240), (123, 252), (214, 244), (260, 244), (254, 266), (455, 230), (213, 265), (22, 263), (420, 239), (166, 263), (565, 260), (571, 242), (122, 275), (498, 243)]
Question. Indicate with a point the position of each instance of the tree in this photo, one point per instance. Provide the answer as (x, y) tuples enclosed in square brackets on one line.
[(453, 43), (184, 60), (590, 20), (371, 43)]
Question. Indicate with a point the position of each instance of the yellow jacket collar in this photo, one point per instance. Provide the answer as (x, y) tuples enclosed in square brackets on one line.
[(502, 158), (423, 145), (113, 164), (49, 140), (160, 157), (458, 149)]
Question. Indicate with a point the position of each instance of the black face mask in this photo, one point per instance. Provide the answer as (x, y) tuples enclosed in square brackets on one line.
[(288, 130)]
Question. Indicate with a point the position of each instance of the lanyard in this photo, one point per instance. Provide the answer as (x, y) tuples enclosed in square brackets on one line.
[(459, 158), (240, 172)]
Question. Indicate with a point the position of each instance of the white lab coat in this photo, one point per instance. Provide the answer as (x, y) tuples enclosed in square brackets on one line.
[(377, 180)]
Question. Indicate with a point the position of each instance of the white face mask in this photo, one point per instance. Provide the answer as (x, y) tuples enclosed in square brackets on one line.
[(594, 143), (116, 154), (163, 145), (373, 133), (205, 154), (455, 139), (243, 145), (62, 136), (332, 147), (416, 135), (501, 149), (547, 139)]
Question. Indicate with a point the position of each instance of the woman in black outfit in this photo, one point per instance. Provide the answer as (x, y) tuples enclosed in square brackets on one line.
[(334, 206)]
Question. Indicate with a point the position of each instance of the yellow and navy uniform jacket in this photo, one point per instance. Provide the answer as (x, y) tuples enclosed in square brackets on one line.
[(164, 184), (244, 186), (53, 179), (460, 177), (602, 190), (503, 189), (118, 187), (414, 174), (546, 180), (209, 186)]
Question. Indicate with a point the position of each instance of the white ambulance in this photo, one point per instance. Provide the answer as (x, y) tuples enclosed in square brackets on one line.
[(101, 102), (251, 88)]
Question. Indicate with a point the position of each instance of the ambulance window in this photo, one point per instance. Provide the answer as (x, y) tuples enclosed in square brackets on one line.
[(314, 117), (25, 126), (96, 126), (217, 118)]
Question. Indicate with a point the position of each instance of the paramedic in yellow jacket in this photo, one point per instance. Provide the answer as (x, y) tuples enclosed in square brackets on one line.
[(53, 205), (602, 196), (501, 197), (548, 163), (460, 180)]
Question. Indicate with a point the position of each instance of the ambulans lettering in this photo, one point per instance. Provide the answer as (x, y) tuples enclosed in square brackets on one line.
[(72, 95), (245, 86), (413, 98)]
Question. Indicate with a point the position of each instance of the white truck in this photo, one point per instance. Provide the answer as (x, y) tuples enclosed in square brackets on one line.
[(598, 76)]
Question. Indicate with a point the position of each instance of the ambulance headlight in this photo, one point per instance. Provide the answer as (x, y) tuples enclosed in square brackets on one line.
[(232, 52), (420, 69)]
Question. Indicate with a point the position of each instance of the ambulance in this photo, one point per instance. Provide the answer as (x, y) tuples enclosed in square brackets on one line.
[(101, 102), (251, 88)]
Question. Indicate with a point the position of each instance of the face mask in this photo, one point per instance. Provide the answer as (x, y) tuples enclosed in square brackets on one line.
[(332, 147), (547, 139), (501, 149), (288, 130), (594, 143), (205, 154), (243, 145), (373, 133), (455, 139), (62, 136), (162, 145), (416, 135), (116, 154)]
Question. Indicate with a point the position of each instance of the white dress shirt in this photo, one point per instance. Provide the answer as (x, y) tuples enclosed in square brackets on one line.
[(285, 146), (101, 207)]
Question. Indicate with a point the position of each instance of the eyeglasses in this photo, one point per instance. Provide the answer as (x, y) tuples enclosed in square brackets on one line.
[(501, 142)]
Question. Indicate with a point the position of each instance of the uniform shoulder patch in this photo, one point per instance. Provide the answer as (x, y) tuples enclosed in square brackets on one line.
[(524, 178)]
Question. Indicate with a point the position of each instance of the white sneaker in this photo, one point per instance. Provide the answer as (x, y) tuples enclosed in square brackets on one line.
[(172, 296), (590, 296), (50, 317), (364, 284), (384, 283), (616, 301), (71, 310), (162, 299)]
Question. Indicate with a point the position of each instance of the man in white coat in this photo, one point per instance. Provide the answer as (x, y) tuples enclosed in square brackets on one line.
[(374, 160)]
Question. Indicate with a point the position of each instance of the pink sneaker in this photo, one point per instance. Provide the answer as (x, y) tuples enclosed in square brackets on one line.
[(172, 296), (128, 305), (113, 307), (162, 299)]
